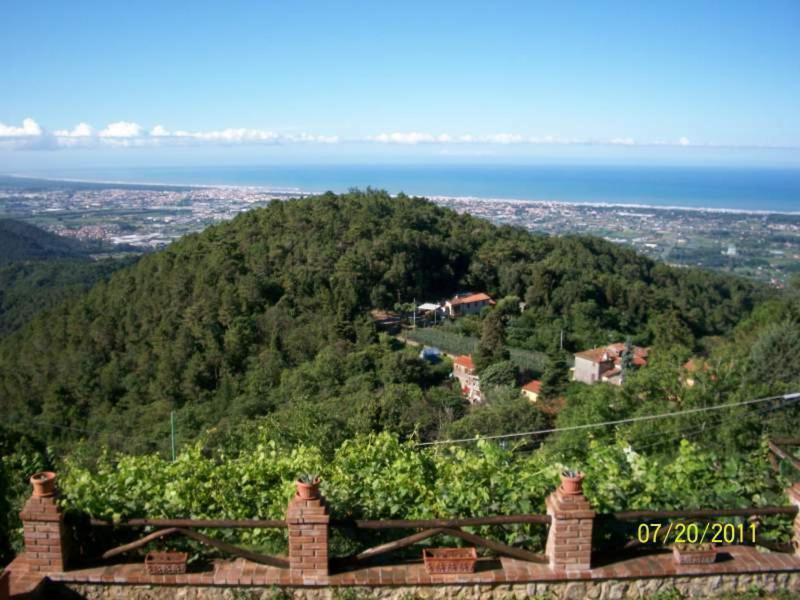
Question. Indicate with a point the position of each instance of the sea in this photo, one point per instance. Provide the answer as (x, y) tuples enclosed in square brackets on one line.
[(746, 189)]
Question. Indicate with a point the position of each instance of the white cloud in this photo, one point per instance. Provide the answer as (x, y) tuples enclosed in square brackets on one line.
[(81, 130), (159, 131), (230, 135), (121, 129), (416, 137), (238, 136), (30, 128), (504, 138), (410, 137), (30, 135)]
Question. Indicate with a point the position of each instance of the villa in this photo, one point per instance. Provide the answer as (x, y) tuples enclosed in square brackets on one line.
[(467, 304), (464, 372), (604, 364)]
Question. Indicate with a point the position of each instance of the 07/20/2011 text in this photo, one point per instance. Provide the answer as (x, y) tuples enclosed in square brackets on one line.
[(694, 533)]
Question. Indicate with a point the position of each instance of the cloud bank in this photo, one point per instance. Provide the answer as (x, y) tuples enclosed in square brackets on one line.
[(30, 135)]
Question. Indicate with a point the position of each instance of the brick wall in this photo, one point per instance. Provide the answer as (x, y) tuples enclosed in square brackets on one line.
[(308, 539), (569, 539), (43, 530)]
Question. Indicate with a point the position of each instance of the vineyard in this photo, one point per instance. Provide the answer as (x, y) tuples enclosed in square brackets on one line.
[(379, 476), (454, 343)]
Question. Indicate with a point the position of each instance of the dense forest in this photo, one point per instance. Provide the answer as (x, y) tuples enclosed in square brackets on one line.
[(21, 241), (256, 333), (28, 287), (268, 313), (39, 270)]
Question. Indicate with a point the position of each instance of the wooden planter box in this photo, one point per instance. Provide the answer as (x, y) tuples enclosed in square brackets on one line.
[(450, 560), (166, 563), (683, 556)]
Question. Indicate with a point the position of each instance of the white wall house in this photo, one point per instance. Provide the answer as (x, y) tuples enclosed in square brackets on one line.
[(468, 380), (467, 304), (604, 364)]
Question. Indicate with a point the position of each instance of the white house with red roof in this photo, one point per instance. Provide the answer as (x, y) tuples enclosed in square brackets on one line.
[(467, 304), (604, 364), (468, 380), (532, 389)]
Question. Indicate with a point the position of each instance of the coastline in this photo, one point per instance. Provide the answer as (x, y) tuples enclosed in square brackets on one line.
[(438, 198)]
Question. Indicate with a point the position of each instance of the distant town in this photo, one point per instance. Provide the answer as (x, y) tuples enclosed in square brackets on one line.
[(763, 246)]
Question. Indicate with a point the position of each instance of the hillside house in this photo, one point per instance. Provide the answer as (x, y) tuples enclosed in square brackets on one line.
[(532, 389), (468, 380), (467, 304), (604, 364), (691, 369)]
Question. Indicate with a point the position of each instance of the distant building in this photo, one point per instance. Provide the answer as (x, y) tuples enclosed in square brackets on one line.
[(467, 304), (430, 312), (385, 320), (532, 389), (690, 370), (604, 364), (428, 307), (469, 382)]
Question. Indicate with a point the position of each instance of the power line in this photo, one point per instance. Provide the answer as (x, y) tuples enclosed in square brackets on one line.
[(684, 434), (789, 397)]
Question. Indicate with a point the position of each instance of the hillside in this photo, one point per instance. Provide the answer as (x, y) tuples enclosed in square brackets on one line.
[(28, 287), (266, 315), (39, 270), (21, 241)]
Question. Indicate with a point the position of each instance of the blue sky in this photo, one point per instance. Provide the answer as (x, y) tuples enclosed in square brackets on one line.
[(94, 83)]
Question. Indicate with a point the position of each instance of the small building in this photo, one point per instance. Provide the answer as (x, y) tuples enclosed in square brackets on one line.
[(426, 307), (430, 312), (467, 304), (532, 389), (385, 320), (691, 368), (469, 382), (604, 364)]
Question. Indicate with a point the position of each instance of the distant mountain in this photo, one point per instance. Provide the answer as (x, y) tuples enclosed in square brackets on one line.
[(39, 270), (21, 241), (28, 287)]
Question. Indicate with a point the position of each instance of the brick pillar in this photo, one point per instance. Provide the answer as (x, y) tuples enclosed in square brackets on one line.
[(308, 539), (569, 540), (44, 533), (793, 493)]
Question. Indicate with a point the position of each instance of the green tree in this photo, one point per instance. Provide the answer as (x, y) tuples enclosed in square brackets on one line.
[(556, 374), (499, 373), (492, 345), (626, 360)]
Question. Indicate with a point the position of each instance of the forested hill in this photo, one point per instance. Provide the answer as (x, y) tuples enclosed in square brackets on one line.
[(269, 310), (21, 241), (39, 270)]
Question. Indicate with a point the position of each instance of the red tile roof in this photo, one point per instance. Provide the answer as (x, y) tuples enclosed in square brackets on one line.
[(695, 364), (613, 353), (533, 386), (481, 297), (465, 360), (595, 354)]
